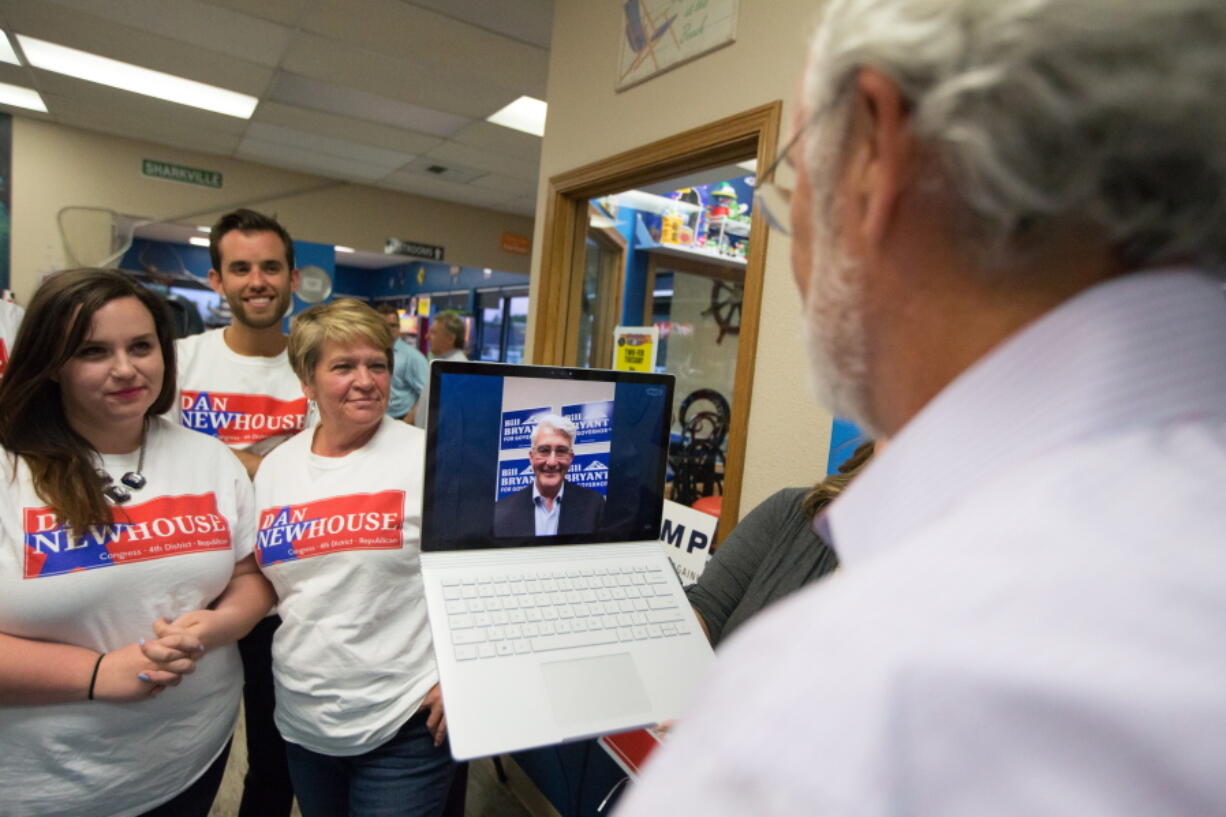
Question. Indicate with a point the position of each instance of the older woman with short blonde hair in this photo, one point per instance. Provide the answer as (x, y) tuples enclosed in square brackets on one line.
[(339, 538)]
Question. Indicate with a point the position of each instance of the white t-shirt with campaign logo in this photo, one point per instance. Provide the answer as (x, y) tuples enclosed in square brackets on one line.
[(339, 538), (248, 402), (10, 321), (173, 549)]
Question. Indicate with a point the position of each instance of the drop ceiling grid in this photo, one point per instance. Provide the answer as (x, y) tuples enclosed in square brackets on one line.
[(381, 84)]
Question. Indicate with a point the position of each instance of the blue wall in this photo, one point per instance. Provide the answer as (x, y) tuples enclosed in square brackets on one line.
[(845, 438), (307, 253), (634, 291), (195, 259), (402, 279)]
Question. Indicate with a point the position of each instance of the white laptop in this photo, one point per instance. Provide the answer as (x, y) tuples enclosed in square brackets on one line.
[(552, 637)]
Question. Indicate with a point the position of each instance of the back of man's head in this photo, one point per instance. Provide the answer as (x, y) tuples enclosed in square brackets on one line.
[(1044, 115), (247, 221)]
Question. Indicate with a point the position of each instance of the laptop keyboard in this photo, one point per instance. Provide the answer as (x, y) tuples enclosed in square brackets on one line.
[(526, 611)]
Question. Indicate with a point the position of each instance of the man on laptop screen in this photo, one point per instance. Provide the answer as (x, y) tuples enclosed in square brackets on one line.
[(571, 460), (552, 504)]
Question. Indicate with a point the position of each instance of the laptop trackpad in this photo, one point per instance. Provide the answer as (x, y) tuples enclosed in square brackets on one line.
[(590, 690)]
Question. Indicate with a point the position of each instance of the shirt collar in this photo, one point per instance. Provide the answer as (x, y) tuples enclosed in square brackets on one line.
[(1137, 349), (536, 492)]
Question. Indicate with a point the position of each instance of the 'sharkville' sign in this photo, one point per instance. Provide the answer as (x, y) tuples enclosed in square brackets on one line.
[(180, 173)]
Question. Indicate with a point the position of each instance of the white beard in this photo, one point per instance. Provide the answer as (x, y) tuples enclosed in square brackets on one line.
[(833, 316)]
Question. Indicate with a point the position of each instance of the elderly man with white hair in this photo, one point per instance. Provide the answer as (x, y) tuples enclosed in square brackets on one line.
[(1009, 226), (552, 504)]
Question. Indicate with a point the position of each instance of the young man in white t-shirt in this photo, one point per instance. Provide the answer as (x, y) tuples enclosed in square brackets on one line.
[(236, 384)]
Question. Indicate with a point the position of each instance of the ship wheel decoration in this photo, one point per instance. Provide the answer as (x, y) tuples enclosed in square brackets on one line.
[(726, 308)]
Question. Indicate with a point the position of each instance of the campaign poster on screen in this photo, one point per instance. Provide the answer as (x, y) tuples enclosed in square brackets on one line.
[(588, 470), (593, 420), (587, 404), (517, 427)]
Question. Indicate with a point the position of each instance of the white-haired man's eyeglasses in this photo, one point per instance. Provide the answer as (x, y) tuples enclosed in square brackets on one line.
[(774, 200)]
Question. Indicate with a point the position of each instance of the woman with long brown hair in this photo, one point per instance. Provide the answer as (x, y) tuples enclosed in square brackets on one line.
[(125, 566)]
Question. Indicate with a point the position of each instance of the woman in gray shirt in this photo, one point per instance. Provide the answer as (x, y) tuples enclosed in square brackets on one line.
[(771, 553)]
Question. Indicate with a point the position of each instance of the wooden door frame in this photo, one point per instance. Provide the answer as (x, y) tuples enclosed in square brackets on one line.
[(610, 281), (754, 132)]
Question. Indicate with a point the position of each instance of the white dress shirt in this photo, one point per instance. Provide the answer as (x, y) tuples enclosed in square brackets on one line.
[(547, 517), (1031, 614)]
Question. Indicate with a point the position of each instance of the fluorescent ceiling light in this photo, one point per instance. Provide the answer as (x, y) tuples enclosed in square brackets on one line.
[(198, 241), (116, 74), (7, 54), (204, 229), (20, 97), (524, 114), (339, 248)]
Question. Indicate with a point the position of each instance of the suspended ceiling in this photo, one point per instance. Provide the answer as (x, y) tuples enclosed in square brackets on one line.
[(383, 92)]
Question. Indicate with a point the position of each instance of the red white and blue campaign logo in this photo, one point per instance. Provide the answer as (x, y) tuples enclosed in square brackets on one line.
[(594, 421), (241, 419), (163, 527), (353, 522), (588, 470), (517, 427)]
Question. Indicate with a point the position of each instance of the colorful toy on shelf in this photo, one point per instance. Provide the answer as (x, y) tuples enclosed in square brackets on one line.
[(723, 203), (670, 227)]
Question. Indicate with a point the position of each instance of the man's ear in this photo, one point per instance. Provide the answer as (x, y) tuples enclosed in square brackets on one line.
[(295, 278), (215, 282), (882, 152)]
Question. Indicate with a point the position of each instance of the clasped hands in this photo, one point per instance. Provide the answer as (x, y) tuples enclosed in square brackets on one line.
[(146, 668)]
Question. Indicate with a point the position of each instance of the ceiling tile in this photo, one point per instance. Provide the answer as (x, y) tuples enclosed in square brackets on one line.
[(485, 160), (316, 143), (427, 38), (322, 96), (507, 184), (340, 127), (469, 92), (16, 75), (521, 206), (308, 160), (79, 98), (202, 141), (497, 139), (217, 29), (530, 22), (285, 12), (58, 24), (437, 189), (450, 172)]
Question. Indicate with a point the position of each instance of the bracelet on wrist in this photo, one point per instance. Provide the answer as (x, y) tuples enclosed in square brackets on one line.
[(93, 678)]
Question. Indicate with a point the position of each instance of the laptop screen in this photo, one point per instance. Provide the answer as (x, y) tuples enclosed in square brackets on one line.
[(537, 455)]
